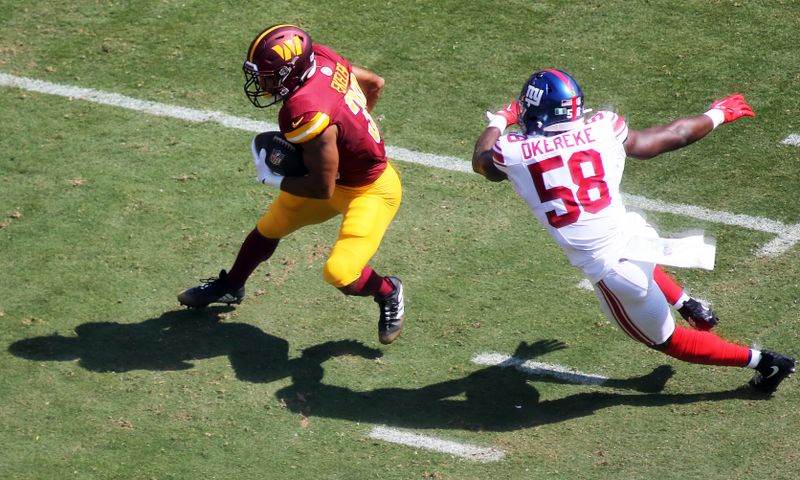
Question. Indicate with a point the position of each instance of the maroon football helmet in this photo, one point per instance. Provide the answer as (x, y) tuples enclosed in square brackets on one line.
[(279, 60)]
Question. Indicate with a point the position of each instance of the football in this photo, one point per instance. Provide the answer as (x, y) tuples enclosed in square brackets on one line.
[(283, 157)]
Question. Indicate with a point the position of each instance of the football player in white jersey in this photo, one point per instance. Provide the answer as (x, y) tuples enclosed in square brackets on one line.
[(567, 167)]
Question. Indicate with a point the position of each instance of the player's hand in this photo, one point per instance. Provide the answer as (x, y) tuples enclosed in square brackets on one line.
[(265, 174), (510, 113), (527, 350), (733, 107)]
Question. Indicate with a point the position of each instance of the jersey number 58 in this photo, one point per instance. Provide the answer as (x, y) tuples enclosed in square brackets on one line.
[(581, 199)]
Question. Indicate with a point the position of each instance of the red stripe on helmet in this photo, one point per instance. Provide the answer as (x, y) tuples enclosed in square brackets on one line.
[(563, 78), (566, 81)]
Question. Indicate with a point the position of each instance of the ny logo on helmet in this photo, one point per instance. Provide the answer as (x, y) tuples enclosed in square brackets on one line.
[(290, 47), (533, 96)]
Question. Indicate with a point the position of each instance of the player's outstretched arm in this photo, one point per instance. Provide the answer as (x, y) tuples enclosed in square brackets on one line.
[(648, 143), (482, 162), (371, 84)]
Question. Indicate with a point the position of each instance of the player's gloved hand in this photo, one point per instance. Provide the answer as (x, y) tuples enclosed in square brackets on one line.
[(265, 174), (729, 109), (505, 117)]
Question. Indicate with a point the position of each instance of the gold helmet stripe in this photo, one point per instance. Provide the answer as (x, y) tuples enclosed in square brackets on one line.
[(261, 37)]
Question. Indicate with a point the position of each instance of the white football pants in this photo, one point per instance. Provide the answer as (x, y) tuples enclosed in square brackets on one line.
[(631, 299)]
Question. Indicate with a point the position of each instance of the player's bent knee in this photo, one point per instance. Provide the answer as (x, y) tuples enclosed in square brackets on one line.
[(339, 272), (263, 227), (662, 347)]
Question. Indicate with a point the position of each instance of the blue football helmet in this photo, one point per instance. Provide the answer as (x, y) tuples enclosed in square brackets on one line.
[(550, 101)]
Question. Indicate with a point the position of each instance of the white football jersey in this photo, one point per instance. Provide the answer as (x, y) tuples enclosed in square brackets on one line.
[(571, 184)]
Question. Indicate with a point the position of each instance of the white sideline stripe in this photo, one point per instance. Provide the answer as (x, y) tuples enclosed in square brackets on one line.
[(462, 450), (436, 161), (200, 116), (792, 139), (538, 368), (781, 243), (788, 235), (117, 100), (716, 216)]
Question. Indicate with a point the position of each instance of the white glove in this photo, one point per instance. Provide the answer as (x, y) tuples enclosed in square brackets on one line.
[(265, 175)]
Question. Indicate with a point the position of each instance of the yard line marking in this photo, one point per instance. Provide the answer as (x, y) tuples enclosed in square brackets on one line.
[(454, 164), (792, 139), (788, 235), (145, 106), (462, 450), (539, 368), (783, 242), (715, 216)]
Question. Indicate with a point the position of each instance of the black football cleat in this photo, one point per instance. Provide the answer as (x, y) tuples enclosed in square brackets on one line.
[(771, 371), (213, 290), (392, 313), (698, 315)]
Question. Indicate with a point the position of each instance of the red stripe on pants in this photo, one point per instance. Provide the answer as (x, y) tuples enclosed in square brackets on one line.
[(622, 316)]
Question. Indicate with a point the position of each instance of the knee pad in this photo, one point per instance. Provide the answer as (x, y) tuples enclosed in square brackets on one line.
[(340, 272), (662, 347)]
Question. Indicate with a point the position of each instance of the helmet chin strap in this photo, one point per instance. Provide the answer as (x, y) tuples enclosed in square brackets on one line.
[(310, 71)]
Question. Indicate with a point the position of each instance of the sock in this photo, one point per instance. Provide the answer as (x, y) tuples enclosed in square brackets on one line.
[(669, 287), (755, 358), (369, 283), (255, 249), (705, 348)]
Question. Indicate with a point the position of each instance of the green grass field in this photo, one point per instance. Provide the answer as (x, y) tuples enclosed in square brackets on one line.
[(106, 213)]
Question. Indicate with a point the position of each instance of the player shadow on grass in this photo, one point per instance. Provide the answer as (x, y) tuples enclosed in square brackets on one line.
[(177, 338), (169, 342), (495, 398)]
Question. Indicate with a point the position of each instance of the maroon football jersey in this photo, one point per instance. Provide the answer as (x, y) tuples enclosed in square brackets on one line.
[(332, 96)]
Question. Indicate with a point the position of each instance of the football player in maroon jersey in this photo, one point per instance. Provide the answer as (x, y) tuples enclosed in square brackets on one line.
[(326, 104)]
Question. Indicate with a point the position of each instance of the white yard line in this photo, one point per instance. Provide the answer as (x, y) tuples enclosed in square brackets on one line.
[(144, 106), (792, 139), (787, 235), (539, 368), (461, 450)]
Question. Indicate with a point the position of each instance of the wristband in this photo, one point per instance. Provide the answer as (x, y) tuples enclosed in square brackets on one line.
[(499, 122), (716, 115)]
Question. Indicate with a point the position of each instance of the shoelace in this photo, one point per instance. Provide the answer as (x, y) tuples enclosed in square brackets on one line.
[(391, 311), (207, 282)]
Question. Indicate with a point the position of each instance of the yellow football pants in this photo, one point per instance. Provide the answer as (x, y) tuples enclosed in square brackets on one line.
[(366, 214)]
